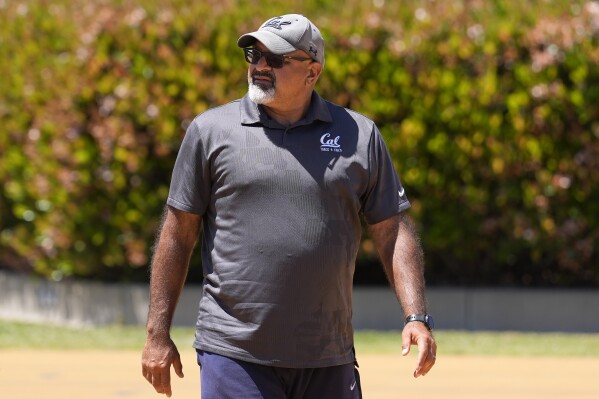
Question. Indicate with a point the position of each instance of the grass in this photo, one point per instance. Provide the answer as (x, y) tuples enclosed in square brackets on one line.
[(16, 335), (489, 343)]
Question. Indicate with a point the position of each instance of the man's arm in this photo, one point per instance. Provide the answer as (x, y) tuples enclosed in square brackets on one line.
[(401, 254), (170, 263)]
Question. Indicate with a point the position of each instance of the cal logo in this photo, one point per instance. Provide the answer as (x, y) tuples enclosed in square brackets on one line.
[(328, 143), (276, 23)]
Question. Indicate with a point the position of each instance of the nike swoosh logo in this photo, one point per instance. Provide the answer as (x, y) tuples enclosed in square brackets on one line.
[(401, 192), (352, 386)]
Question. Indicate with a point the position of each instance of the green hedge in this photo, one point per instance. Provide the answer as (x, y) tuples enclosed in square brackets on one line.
[(490, 110)]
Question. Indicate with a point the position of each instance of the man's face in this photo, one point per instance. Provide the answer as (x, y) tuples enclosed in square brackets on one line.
[(267, 84)]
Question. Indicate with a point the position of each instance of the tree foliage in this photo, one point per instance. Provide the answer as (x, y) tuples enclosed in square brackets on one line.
[(490, 110)]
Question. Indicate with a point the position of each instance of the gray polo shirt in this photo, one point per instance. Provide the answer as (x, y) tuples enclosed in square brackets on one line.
[(281, 227)]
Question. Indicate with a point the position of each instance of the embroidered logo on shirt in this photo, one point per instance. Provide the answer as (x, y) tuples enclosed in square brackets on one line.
[(328, 143)]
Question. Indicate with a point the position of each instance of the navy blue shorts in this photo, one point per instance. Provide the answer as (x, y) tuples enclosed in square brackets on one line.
[(225, 378)]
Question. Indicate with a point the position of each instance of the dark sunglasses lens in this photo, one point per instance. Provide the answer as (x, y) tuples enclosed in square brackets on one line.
[(274, 60), (253, 57)]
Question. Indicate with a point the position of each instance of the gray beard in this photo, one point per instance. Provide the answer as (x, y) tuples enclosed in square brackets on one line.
[(261, 95)]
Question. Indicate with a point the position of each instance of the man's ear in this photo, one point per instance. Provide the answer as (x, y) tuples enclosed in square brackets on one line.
[(314, 72)]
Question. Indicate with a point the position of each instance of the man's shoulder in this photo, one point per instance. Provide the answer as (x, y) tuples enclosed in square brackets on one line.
[(219, 113), (213, 122), (339, 112)]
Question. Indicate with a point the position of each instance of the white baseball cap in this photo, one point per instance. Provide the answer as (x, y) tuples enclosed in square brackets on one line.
[(287, 33)]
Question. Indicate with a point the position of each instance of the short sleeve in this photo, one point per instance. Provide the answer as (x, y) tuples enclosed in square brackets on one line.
[(385, 196), (190, 183)]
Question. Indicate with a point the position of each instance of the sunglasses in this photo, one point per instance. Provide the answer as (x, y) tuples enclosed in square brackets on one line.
[(272, 60)]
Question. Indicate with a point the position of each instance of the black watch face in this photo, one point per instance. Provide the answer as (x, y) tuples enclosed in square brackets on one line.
[(430, 321)]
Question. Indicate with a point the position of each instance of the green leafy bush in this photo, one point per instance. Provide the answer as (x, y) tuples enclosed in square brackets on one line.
[(490, 110)]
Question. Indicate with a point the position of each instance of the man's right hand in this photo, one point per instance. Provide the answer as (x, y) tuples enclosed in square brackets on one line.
[(156, 361)]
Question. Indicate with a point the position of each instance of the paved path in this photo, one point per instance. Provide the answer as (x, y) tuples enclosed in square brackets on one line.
[(28, 374)]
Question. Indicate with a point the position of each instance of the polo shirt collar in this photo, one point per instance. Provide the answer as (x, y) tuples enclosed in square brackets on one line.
[(252, 113)]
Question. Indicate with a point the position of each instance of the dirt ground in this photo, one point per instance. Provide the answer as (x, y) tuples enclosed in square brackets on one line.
[(28, 374)]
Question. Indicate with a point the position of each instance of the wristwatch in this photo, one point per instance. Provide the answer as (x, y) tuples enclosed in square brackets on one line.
[(427, 319)]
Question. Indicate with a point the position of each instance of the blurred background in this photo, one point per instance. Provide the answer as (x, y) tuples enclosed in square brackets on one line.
[(490, 110)]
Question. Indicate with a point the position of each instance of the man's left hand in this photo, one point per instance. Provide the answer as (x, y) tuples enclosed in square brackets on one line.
[(416, 333)]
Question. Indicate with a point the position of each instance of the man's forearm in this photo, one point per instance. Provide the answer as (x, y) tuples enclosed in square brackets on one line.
[(169, 269), (399, 248), (167, 279), (401, 254)]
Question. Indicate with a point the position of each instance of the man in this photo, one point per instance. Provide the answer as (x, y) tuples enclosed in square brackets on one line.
[(279, 180)]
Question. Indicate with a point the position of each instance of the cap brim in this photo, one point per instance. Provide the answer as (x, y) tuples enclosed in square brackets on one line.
[(274, 43)]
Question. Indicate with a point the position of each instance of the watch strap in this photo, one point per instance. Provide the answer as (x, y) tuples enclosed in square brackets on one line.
[(426, 319)]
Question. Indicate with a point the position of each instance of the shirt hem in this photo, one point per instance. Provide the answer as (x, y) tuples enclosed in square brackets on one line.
[(402, 207), (244, 356), (181, 206)]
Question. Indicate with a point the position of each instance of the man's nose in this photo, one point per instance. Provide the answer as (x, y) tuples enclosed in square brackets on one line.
[(262, 64)]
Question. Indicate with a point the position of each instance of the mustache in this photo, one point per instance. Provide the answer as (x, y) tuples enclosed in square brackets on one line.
[(265, 74)]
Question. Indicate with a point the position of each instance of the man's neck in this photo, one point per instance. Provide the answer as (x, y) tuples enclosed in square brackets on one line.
[(289, 113)]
